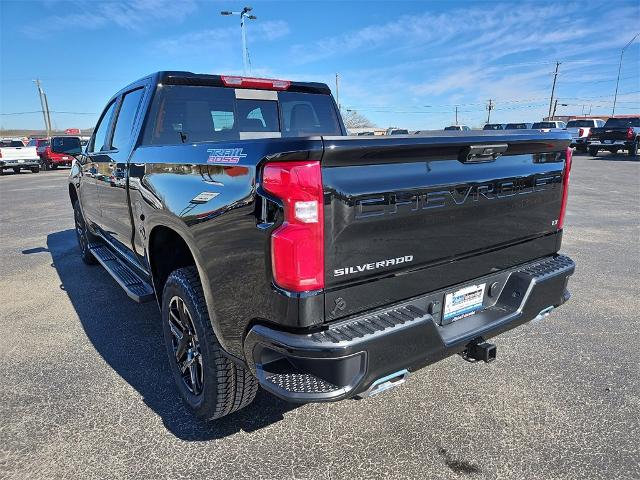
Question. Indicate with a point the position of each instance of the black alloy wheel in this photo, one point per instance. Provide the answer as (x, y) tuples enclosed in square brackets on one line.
[(186, 346)]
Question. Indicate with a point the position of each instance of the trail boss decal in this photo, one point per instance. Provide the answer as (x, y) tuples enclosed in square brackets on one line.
[(225, 155), (338, 272)]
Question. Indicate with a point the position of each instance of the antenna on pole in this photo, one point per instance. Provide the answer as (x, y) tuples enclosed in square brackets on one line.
[(244, 14)]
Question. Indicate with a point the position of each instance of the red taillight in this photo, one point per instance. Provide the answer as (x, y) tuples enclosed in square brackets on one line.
[(297, 246), (565, 189), (629, 133), (581, 132), (260, 83)]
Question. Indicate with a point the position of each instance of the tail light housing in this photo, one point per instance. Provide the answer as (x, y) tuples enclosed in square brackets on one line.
[(629, 133), (297, 246), (581, 132), (565, 188)]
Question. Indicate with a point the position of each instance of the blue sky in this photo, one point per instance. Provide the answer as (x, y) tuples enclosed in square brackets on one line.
[(405, 64)]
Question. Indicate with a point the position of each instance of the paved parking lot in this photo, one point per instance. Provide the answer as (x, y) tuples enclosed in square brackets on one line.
[(86, 393)]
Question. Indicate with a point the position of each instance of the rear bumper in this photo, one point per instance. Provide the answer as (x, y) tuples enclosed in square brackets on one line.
[(19, 162), (614, 143), (346, 358)]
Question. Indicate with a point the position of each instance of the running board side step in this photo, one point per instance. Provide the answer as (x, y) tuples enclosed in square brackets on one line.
[(137, 288)]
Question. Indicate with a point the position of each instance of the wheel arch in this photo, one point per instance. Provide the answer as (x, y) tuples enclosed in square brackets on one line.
[(169, 250)]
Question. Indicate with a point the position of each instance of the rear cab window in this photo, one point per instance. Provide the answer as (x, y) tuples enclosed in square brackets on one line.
[(543, 125), (192, 114), (622, 122)]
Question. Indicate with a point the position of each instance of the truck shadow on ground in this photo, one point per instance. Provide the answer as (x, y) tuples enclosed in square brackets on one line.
[(129, 338)]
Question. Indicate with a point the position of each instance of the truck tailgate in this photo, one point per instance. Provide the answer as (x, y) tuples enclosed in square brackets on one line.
[(415, 214)]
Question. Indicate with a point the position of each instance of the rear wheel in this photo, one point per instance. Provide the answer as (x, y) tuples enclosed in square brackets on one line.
[(593, 151), (83, 235), (209, 383), (633, 149), (16, 170)]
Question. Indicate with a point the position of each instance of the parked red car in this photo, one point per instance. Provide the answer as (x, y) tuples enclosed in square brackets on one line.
[(51, 160)]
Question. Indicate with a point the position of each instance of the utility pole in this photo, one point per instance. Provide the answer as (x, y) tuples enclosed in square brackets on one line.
[(490, 107), (337, 93), (553, 88), (246, 64), (456, 115), (45, 107), (615, 97), (555, 105)]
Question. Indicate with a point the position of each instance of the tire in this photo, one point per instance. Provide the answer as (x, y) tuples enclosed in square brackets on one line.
[(53, 166), (35, 169), (633, 149), (221, 387), (83, 235), (44, 165), (16, 170), (593, 151)]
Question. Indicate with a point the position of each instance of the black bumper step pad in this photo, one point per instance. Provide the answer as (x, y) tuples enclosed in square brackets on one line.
[(362, 327)]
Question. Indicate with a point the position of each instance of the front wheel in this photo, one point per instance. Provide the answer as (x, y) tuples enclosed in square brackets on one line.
[(633, 149), (83, 235), (593, 151), (209, 383), (16, 170)]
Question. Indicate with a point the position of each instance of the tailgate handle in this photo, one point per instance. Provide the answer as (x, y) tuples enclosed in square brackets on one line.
[(482, 153)]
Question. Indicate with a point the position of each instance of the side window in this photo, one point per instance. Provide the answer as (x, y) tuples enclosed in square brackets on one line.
[(100, 136), (126, 118)]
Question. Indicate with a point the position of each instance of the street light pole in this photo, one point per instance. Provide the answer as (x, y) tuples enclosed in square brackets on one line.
[(244, 14), (615, 97)]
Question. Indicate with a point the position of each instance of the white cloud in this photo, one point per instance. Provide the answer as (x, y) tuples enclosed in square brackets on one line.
[(134, 15), (213, 38)]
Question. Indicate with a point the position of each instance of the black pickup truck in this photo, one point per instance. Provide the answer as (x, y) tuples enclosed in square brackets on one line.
[(285, 254), (617, 134)]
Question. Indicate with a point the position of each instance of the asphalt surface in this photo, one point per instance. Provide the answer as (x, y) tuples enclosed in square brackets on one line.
[(85, 390)]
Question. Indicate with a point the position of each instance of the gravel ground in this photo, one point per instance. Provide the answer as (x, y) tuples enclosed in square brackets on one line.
[(86, 391)]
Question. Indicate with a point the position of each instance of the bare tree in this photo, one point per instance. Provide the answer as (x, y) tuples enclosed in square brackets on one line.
[(353, 119)]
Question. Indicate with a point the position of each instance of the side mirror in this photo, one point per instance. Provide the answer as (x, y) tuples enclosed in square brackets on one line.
[(66, 145)]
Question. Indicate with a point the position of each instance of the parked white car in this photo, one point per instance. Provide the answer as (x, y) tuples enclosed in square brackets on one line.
[(580, 130), (13, 154)]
